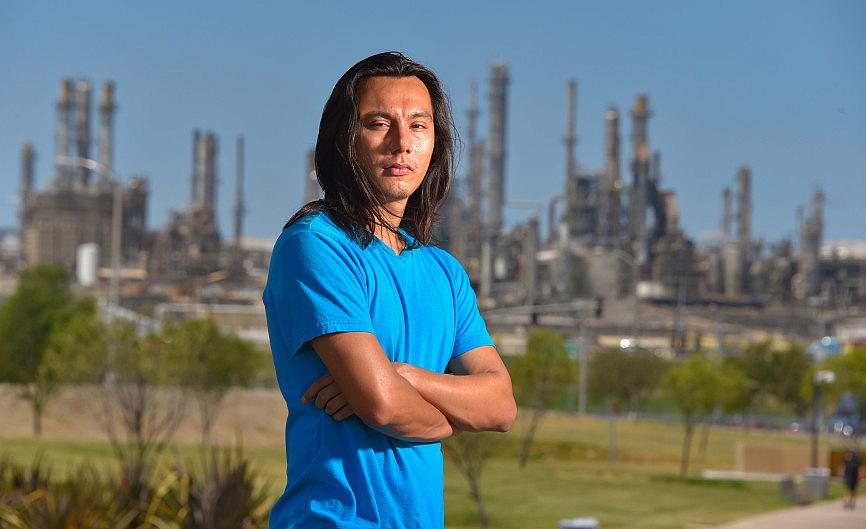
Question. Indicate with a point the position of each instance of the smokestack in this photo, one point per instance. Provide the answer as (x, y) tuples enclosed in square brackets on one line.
[(196, 167), (209, 172), (106, 127), (570, 131), (656, 172), (611, 143), (28, 156), (239, 190), (82, 130), (61, 135), (572, 194), (475, 183), (810, 247), (744, 212), (496, 147), (726, 214), (640, 113), (530, 269), (311, 182), (490, 244), (609, 210), (205, 178)]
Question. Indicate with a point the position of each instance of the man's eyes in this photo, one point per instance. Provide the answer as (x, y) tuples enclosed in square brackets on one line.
[(385, 124)]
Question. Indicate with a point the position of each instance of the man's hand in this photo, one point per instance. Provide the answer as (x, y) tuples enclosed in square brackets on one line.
[(328, 398)]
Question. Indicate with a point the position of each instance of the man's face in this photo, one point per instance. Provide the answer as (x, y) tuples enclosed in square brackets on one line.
[(395, 142)]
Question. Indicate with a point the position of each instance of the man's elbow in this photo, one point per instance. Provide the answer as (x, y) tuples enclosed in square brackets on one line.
[(507, 416), (377, 413)]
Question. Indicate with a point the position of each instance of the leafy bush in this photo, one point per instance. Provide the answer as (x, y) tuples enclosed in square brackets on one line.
[(222, 494)]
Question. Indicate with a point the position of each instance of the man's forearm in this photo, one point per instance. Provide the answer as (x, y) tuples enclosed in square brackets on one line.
[(414, 419), (474, 403)]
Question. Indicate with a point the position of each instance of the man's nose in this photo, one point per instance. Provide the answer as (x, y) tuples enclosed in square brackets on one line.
[(401, 140)]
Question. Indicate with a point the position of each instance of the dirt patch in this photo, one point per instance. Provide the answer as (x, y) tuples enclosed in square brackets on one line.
[(254, 418)]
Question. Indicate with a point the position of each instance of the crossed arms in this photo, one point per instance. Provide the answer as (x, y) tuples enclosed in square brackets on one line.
[(407, 402)]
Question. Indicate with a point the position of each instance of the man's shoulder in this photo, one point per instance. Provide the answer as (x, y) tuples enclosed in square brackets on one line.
[(313, 229)]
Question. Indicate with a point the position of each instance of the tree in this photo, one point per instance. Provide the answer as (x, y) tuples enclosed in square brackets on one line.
[(850, 370), (540, 378), (776, 373), (209, 363), (790, 368), (469, 452), (732, 396), (625, 377), (694, 386), (133, 384), (41, 305)]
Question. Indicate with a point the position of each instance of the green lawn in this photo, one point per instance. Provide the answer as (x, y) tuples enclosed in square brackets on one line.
[(567, 476)]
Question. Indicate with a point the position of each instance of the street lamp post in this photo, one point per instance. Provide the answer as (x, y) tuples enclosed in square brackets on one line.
[(818, 381)]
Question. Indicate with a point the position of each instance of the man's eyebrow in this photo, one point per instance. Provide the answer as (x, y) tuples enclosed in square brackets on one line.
[(385, 115)]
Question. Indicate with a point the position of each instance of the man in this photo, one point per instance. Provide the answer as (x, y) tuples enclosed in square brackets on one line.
[(850, 471), (379, 349)]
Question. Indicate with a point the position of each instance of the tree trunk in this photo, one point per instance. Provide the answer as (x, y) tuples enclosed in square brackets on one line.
[(37, 420), (687, 442), (475, 489), (705, 436), (530, 433), (613, 409)]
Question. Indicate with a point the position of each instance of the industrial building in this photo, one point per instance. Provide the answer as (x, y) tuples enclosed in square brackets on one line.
[(613, 263)]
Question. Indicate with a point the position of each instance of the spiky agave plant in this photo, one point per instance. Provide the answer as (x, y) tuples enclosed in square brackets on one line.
[(223, 494)]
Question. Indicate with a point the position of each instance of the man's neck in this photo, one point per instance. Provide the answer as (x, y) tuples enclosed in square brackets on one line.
[(393, 215)]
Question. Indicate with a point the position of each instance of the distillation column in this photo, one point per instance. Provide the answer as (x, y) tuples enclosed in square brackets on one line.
[(496, 181), (61, 135), (205, 192), (82, 131), (27, 177), (726, 214), (572, 193), (744, 212), (239, 209), (810, 248), (196, 164), (107, 108), (640, 113), (609, 203), (475, 181)]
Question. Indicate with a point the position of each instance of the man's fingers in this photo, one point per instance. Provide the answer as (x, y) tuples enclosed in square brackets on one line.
[(343, 413), (335, 404), (316, 387), (326, 394)]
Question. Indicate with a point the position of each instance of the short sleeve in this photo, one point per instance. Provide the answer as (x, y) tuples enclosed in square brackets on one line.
[(471, 329), (315, 288)]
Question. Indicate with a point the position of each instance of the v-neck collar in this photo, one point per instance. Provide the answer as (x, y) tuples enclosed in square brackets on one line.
[(407, 247)]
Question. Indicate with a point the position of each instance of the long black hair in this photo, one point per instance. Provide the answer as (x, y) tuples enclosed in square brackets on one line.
[(350, 196)]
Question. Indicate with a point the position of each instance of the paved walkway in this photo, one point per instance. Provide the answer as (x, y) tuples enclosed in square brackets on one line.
[(825, 515)]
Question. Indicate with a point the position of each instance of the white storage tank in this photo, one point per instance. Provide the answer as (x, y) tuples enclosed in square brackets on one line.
[(86, 262)]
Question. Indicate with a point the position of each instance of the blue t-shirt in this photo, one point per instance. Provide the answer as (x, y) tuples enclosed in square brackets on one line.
[(421, 308)]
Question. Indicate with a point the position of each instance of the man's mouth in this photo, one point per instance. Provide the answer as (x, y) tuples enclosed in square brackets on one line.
[(398, 169)]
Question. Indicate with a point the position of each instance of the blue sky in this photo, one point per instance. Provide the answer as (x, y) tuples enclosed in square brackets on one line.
[(778, 85)]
